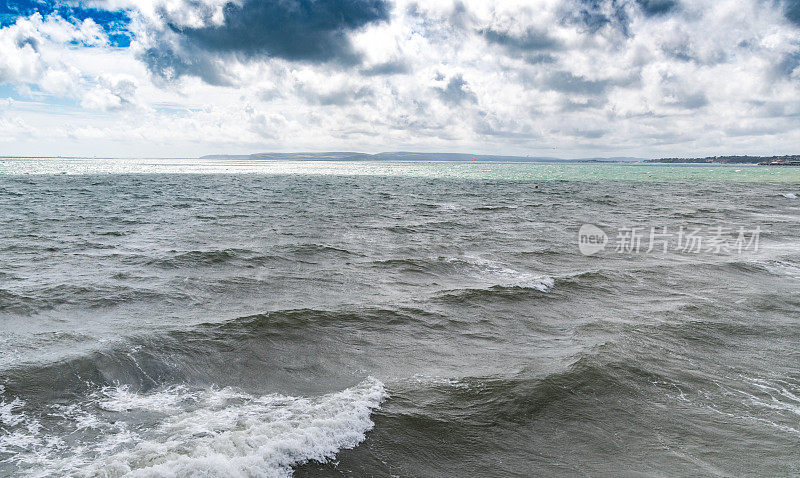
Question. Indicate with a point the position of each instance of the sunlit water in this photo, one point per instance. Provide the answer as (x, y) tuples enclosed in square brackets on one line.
[(434, 169)]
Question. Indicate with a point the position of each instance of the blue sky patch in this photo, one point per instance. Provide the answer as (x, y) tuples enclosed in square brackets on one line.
[(114, 23)]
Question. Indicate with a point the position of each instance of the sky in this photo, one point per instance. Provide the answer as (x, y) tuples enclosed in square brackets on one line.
[(559, 78)]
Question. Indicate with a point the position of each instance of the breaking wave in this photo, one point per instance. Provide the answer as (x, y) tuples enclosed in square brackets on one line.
[(178, 431)]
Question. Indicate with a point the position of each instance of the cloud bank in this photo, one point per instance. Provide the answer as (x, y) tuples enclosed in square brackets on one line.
[(567, 78)]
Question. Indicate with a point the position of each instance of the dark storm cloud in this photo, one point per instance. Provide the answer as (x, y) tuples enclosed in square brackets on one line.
[(28, 41), (657, 7), (594, 15), (165, 63), (389, 68), (540, 59), (566, 82), (456, 92), (530, 41), (788, 65), (791, 8), (314, 31), (292, 29), (533, 46), (685, 51)]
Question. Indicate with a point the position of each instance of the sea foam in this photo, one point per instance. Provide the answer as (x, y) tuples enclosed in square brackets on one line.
[(497, 274), (208, 432)]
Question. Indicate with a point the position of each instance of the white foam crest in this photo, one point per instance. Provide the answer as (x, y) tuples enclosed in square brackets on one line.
[(82, 419), (121, 399), (439, 381), (784, 268), (501, 275), (765, 421), (21, 431), (531, 281), (210, 432), (261, 436), (773, 397), (790, 195), (9, 412), (500, 206)]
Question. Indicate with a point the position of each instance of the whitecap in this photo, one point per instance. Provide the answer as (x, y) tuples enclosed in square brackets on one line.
[(120, 399), (206, 432), (10, 412), (497, 274), (435, 380), (787, 268)]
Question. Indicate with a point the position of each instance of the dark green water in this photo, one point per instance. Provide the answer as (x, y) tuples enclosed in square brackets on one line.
[(406, 319)]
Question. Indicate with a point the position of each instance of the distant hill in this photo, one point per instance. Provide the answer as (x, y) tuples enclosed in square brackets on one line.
[(732, 160), (407, 156)]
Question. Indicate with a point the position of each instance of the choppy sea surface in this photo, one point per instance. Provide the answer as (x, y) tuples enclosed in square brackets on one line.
[(261, 318)]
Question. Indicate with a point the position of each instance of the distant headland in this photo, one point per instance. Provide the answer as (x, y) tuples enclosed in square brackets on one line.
[(788, 160)]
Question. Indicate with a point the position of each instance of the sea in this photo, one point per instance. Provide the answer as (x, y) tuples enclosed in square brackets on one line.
[(243, 318)]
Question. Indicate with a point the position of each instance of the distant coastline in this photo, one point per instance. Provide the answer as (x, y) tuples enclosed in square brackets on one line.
[(785, 160), (788, 160)]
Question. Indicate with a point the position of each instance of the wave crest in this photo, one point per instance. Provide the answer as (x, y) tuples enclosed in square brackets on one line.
[(207, 432)]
